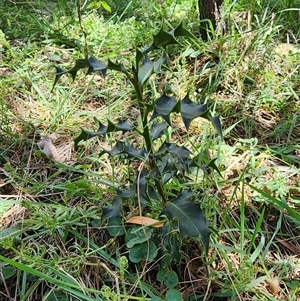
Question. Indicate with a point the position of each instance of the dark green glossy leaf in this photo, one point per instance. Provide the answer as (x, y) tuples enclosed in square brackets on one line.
[(84, 135), (217, 123), (157, 130), (115, 66), (117, 149), (190, 111), (59, 73), (79, 64), (163, 107), (128, 193), (114, 210), (180, 31), (163, 39), (110, 127), (124, 126), (139, 55), (96, 65), (134, 152), (145, 70), (191, 219), (175, 150), (212, 165)]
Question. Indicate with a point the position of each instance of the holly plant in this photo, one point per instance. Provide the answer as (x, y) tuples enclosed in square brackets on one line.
[(151, 233)]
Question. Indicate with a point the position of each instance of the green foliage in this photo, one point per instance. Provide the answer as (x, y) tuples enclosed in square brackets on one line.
[(160, 161)]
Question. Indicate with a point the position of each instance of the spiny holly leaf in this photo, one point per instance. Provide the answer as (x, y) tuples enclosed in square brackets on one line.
[(91, 63), (117, 149), (133, 152), (84, 135), (191, 219), (180, 31), (116, 66), (139, 55), (163, 39), (128, 193), (175, 150), (59, 73), (114, 210), (217, 123), (190, 110), (213, 165), (102, 130), (157, 130), (96, 65), (145, 70), (79, 64), (163, 107), (128, 150)]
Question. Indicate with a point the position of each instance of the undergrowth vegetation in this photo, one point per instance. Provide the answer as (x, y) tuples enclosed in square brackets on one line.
[(169, 172)]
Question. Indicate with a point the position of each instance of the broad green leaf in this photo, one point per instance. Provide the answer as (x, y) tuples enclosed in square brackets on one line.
[(114, 210), (157, 130), (191, 219), (190, 111), (115, 226), (128, 193), (163, 107), (145, 70), (55, 295), (175, 150), (213, 165), (169, 277), (133, 152), (171, 280), (84, 135), (7, 271), (139, 236), (173, 295), (144, 251)]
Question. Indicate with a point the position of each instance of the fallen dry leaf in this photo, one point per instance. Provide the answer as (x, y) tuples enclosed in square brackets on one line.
[(48, 148), (145, 221)]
